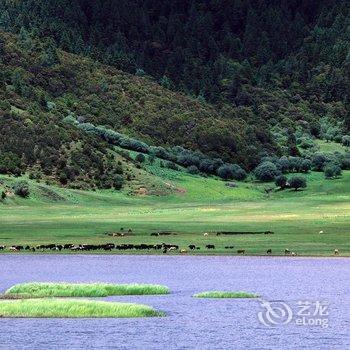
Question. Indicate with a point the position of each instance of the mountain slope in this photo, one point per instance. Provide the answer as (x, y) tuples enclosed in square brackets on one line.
[(40, 87), (223, 51)]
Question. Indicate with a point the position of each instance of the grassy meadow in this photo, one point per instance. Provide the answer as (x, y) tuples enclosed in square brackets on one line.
[(42, 290), (222, 295), (200, 205), (48, 308)]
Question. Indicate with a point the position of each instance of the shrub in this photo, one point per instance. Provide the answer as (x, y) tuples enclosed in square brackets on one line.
[(21, 188), (172, 165), (281, 181), (225, 172), (283, 164), (295, 164), (266, 171), (305, 165), (187, 159), (192, 169), (140, 158), (238, 173), (332, 171), (306, 142), (345, 162), (118, 181), (297, 182), (318, 161), (151, 159), (346, 140), (140, 72), (207, 166), (10, 163)]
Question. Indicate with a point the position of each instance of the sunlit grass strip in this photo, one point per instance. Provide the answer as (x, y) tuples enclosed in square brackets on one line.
[(73, 309), (220, 294), (41, 290)]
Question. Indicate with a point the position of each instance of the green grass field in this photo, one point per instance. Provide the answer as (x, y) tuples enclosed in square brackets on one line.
[(42, 290), (56, 215), (224, 295), (48, 308)]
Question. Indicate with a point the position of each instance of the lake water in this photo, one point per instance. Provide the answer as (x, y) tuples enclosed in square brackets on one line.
[(190, 323)]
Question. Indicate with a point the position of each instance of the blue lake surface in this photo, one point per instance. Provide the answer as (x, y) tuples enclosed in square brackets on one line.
[(190, 323)]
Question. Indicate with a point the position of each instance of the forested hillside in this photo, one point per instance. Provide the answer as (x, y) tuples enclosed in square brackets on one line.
[(276, 59), (41, 87), (233, 81)]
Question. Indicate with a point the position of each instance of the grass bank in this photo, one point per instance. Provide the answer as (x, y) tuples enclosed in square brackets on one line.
[(49, 308), (221, 294), (206, 205), (41, 290)]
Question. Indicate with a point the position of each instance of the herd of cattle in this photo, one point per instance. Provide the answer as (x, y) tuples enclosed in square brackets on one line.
[(165, 248)]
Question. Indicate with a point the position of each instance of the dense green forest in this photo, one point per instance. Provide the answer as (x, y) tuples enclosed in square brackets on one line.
[(231, 81), (223, 51)]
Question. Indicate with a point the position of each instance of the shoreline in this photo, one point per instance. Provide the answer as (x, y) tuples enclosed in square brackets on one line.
[(174, 255)]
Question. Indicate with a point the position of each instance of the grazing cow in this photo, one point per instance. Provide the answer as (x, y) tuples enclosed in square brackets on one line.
[(183, 251), (286, 252), (2, 247), (241, 251), (205, 234), (293, 254), (336, 251), (13, 249), (171, 249), (320, 232), (269, 251), (192, 247), (210, 246)]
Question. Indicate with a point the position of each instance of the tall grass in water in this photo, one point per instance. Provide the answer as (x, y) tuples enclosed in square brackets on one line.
[(220, 294), (41, 290), (73, 309)]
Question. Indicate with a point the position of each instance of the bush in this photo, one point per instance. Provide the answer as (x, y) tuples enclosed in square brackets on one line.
[(118, 181), (266, 171), (225, 172), (187, 159), (207, 166), (318, 161), (281, 181), (306, 142), (297, 182), (151, 159), (332, 171), (238, 173), (21, 189), (10, 163), (140, 158), (283, 164), (295, 164), (345, 162), (305, 165), (193, 170), (346, 140), (172, 165)]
